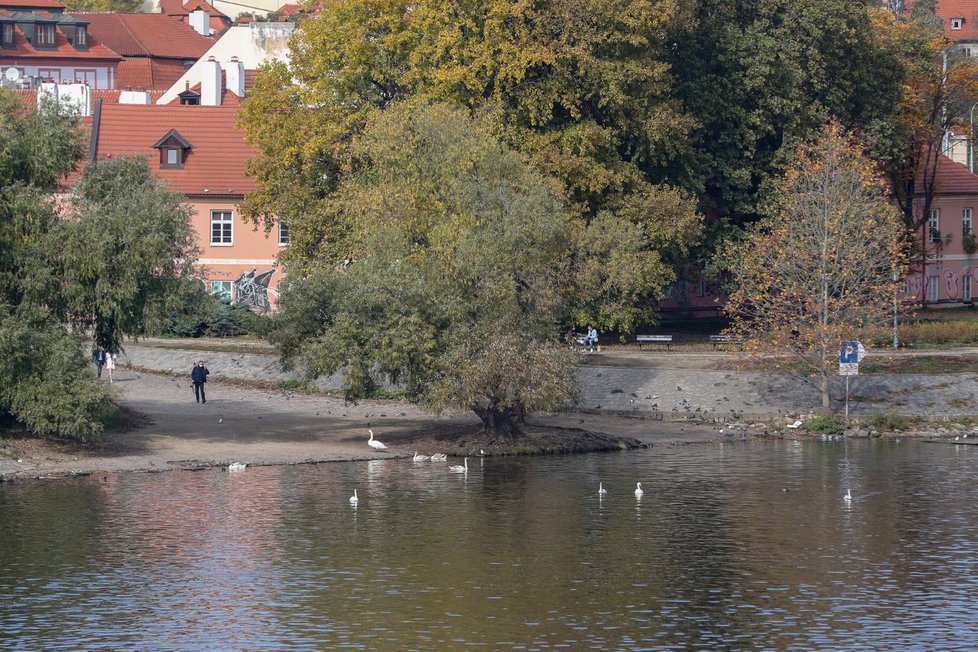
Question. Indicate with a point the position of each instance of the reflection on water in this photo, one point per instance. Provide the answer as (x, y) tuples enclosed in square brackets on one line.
[(749, 546)]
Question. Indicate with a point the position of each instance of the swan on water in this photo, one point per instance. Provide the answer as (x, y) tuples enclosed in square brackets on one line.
[(458, 468), (638, 490), (420, 458), (373, 443), (236, 466), (601, 490), (439, 457), (848, 496), (353, 499)]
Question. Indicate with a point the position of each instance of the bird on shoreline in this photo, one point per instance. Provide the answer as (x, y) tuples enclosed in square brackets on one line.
[(373, 443), (638, 490), (236, 466)]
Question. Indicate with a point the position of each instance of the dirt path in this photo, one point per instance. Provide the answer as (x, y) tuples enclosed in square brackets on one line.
[(273, 427)]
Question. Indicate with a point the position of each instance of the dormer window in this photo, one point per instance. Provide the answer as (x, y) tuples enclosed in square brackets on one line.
[(957, 23), (44, 35), (81, 36), (174, 150), (7, 34)]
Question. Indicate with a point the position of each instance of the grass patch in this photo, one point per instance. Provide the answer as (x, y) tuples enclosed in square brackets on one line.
[(889, 422), (919, 364), (826, 424)]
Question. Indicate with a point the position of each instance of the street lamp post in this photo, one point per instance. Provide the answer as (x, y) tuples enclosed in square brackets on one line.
[(896, 278)]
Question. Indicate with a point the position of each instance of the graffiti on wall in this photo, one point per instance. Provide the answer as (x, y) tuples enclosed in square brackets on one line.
[(252, 289), (951, 284)]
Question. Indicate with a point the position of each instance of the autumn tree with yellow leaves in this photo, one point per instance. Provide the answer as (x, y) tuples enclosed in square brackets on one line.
[(819, 270)]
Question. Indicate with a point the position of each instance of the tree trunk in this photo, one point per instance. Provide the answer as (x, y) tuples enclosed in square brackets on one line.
[(825, 392), (502, 423)]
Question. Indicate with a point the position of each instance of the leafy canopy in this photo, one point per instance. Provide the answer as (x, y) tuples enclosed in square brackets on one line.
[(579, 87), (461, 261)]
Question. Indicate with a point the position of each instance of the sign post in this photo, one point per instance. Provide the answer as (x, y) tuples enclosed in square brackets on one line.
[(850, 353)]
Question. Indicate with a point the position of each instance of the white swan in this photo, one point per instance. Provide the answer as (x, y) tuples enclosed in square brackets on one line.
[(420, 458), (601, 490), (373, 443), (848, 496), (353, 499), (439, 457), (458, 468), (638, 490), (236, 466)]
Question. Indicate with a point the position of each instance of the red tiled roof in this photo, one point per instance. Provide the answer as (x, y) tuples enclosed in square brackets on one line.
[(193, 5), (173, 8), (62, 49), (27, 5), (142, 73), (953, 178), (157, 35), (948, 9), (215, 165)]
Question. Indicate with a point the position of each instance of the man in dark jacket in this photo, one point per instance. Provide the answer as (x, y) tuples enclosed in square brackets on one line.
[(199, 376)]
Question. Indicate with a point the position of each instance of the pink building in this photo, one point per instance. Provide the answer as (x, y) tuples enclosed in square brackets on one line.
[(950, 272), (200, 152)]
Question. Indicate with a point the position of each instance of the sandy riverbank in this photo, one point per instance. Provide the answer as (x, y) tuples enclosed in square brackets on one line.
[(255, 426)]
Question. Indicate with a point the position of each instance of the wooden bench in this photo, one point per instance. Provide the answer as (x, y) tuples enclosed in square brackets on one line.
[(654, 339), (717, 340)]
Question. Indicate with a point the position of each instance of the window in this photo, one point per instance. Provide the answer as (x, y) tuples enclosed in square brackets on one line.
[(956, 23), (171, 157), (966, 221), (221, 228), (934, 225), (966, 287), (81, 35), (8, 33), (44, 35), (932, 288), (86, 76), (54, 74), (221, 289), (283, 233)]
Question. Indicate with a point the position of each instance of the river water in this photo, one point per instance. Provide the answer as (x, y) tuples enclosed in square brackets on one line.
[(740, 546)]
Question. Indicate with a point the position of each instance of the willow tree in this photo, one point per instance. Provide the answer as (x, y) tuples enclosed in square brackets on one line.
[(104, 267), (460, 265), (819, 270), (579, 87)]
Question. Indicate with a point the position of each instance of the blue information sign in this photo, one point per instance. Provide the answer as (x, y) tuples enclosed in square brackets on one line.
[(850, 352)]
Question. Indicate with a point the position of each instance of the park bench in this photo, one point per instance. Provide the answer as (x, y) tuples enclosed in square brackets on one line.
[(717, 340), (654, 339)]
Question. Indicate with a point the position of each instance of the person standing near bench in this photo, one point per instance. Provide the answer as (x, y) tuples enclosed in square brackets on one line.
[(199, 376)]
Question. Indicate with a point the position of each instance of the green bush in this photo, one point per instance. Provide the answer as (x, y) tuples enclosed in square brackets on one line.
[(829, 424), (889, 422), (207, 315)]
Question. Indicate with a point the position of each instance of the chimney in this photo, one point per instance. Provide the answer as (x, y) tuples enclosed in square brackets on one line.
[(235, 77), (200, 20), (48, 90), (210, 83), (78, 94), (134, 97)]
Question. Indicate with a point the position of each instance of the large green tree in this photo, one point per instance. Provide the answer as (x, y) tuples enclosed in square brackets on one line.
[(461, 262), (579, 87), (98, 261), (762, 76)]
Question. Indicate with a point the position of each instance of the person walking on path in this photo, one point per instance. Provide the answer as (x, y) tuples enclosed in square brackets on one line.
[(98, 355), (109, 365), (199, 376)]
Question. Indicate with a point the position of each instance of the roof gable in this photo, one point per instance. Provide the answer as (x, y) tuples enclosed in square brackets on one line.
[(172, 138)]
